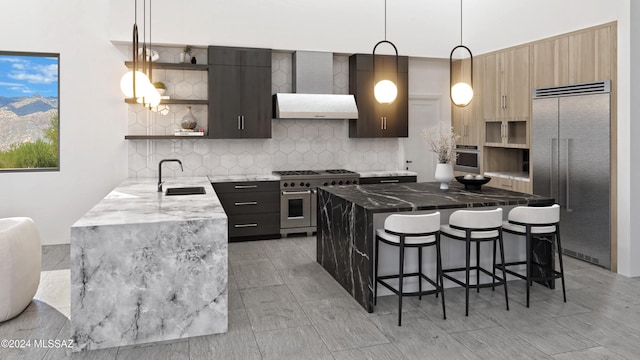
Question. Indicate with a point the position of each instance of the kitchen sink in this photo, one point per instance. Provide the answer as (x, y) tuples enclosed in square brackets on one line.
[(194, 190)]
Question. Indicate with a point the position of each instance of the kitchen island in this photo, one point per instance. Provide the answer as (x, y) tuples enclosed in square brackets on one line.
[(147, 267), (349, 215)]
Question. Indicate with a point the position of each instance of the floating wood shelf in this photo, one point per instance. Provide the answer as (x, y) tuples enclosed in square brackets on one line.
[(173, 66)]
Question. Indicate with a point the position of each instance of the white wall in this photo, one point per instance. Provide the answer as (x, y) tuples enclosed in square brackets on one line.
[(92, 113)]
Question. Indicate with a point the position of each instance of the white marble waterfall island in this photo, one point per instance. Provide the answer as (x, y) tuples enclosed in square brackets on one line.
[(148, 267)]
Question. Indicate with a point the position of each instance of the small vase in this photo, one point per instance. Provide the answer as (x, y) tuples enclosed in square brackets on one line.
[(188, 120), (444, 175)]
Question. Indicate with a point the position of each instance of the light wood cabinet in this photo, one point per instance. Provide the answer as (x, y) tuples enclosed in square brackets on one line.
[(467, 121), (550, 63), (510, 184), (590, 55), (507, 133), (579, 57), (505, 84)]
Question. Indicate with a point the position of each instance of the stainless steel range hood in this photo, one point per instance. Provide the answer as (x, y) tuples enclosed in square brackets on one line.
[(313, 96)]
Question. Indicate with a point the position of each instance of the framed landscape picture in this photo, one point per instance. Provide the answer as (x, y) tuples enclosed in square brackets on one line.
[(29, 111)]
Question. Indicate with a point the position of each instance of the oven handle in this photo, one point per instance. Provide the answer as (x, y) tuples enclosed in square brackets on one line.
[(296, 192)]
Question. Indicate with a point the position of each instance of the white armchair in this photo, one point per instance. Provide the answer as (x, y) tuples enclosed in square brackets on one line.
[(20, 264)]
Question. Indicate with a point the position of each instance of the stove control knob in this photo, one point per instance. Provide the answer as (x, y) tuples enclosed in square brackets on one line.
[(307, 184), (340, 182), (285, 184), (293, 184), (325, 183), (355, 181), (347, 182), (302, 184), (333, 182)]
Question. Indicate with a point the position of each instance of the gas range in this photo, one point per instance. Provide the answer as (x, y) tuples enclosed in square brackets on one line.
[(292, 179), (298, 196)]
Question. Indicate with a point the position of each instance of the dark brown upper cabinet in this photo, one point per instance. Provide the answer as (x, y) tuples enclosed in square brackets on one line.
[(239, 93), (377, 120)]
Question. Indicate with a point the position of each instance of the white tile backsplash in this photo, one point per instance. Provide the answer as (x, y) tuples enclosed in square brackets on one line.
[(295, 144)]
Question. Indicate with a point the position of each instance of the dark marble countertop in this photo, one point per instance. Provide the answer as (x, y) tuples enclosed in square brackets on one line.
[(428, 196)]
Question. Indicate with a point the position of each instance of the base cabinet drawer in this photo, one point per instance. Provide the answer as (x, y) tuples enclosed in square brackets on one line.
[(510, 184), (250, 203), (387, 179), (254, 225), (246, 186)]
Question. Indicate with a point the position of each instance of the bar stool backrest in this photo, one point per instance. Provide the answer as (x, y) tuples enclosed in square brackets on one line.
[(413, 224), (476, 219), (535, 215)]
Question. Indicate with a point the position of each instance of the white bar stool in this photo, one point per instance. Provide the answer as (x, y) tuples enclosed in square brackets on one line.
[(527, 221), (415, 231), (476, 226)]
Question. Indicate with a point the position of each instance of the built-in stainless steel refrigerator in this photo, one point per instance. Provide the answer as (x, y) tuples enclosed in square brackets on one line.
[(570, 159)]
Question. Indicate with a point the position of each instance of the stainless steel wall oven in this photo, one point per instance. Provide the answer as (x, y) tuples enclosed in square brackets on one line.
[(468, 159)]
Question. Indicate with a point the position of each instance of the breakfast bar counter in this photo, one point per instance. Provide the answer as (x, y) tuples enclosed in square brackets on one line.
[(349, 215)]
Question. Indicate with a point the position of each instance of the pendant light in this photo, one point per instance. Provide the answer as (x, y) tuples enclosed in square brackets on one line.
[(137, 83), (461, 93), (385, 90)]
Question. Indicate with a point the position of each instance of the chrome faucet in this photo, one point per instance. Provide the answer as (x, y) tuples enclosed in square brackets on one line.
[(160, 171)]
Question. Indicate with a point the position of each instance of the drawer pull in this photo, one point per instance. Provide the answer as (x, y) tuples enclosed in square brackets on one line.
[(245, 186), (505, 185), (389, 181), (237, 226), (246, 203)]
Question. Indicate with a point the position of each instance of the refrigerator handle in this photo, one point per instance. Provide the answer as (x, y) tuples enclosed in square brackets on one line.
[(567, 180)]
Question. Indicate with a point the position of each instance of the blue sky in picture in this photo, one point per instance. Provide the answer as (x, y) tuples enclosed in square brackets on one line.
[(28, 75)]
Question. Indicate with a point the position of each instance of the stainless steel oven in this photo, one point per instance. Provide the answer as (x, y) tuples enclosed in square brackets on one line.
[(299, 196), (298, 208), (468, 159)]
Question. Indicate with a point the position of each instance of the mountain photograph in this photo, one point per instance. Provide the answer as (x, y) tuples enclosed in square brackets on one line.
[(28, 111)]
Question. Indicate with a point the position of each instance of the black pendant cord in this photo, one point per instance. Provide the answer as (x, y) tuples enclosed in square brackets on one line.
[(451, 62), (135, 47), (460, 22), (151, 50), (387, 42)]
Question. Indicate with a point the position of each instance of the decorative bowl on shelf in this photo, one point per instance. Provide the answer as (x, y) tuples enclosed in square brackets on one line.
[(473, 184)]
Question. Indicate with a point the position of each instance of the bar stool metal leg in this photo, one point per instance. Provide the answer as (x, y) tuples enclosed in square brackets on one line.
[(439, 276), (478, 266), (504, 273), (466, 289), (493, 288), (375, 273), (400, 283), (420, 272), (557, 234), (528, 249)]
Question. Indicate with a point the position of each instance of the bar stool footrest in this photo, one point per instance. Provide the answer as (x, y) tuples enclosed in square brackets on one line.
[(498, 279)]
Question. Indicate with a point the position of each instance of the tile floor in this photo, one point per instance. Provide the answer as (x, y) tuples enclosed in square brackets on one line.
[(283, 305)]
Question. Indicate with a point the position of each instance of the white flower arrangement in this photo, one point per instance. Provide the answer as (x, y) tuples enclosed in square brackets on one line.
[(443, 144)]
